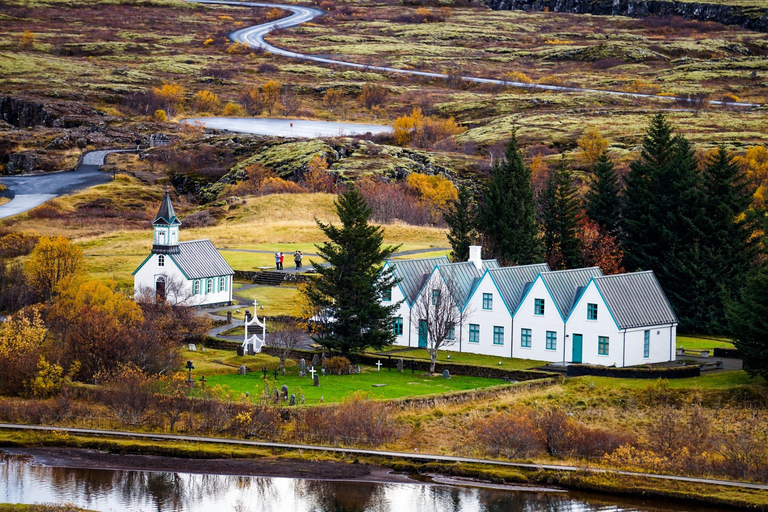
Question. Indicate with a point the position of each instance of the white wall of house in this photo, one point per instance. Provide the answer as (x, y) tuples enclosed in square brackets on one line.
[(592, 330), (404, 313), (662, 340), (216, 292), (497, 316), (551, 321)]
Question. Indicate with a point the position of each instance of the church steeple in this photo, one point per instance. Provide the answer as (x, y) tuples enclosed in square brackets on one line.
[(166, 226)]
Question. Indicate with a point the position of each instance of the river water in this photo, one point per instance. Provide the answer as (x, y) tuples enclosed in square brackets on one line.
[(23, 480)]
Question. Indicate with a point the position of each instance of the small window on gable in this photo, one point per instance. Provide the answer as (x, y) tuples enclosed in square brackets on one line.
[(538, 306), (435, 297), (591, 311), (161, 260), (487, 301), (386, 294)]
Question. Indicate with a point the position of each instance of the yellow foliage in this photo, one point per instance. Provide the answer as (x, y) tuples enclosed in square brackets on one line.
[(103, 295), (237, 49), (730, 98), (53, 260), (423, 131), (423, 12), (27, 40), (160, 116), (232, 109), (317, 178), (208, 42), (20, 340), (271, 95), (558, 41), (172, 93), (48, 380), (642, 87), (755, 165), (274, 14), (226, 18), (333, 98), (591, 146), (405, 126), (206, 101), (436, 190), (517, 76)]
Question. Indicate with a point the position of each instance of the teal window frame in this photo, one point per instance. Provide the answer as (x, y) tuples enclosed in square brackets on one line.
[(451, 333), (208, 286), (474, 333), (526, 336), (538, 307), (647, 344), (386, 294), (591, 311), (603, 345), (435, 297), (487, 301), (397, 326), (498, 335), (196, 287), (551, 340)]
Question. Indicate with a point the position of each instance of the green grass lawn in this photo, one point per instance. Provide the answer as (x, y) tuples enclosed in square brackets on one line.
[(507, 363), (720, 380), (334, 388), (276, 300), (216, 362), (694, 343)]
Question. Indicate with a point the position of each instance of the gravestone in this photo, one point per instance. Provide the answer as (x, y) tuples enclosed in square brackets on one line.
[(240, 351), (400, 365), (229, 317), (293, 400), (284, 392), (242, 369), (322, 370), (192, 347), (302, 399), (302, 367), (247, 316), (316, 360), (316, 381), (446, 374), (357, 369), (277, 397)]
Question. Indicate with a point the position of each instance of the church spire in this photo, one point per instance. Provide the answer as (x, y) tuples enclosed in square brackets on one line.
[(166, 226)]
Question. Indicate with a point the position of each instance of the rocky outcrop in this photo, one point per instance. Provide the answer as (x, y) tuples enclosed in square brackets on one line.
[(23, 113), (752, 18), (29, 162)]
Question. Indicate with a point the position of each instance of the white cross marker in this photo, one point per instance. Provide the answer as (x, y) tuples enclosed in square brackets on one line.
[(313, 372), (378, 366)]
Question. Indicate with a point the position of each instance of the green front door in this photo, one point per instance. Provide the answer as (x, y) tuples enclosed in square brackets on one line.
[(422, 334), (577, 342)]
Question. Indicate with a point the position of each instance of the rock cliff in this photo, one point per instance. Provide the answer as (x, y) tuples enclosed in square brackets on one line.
[(752, 18)]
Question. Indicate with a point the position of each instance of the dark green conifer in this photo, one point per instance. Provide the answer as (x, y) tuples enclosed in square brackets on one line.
[(560, 218), (460, 218), (350, 286), (602, 201), (748, 322)]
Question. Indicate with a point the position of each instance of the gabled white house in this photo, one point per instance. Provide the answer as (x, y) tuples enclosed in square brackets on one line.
[(622, 320), (531, 312), (190, 273)]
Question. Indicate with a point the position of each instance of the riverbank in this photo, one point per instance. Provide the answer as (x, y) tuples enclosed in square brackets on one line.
[(156, 455)]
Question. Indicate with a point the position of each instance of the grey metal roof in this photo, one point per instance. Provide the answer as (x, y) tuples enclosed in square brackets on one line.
[(413, 273), (512, 281), (636, 299), (199, 259), (166, 215), (566, 285), (462, 277)]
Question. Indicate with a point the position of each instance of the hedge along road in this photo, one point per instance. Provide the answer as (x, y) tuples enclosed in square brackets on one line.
[(254, 37), (422, 457)]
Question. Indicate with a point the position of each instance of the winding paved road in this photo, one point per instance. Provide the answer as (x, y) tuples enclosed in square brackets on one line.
[(288, 127), (254, 37), (30, 191), (377, 453)]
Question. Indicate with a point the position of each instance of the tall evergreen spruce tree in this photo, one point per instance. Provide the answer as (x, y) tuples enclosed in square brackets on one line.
[(560, 218), (602, 200), (353, 283), (507, 212), (460, 218), (748, 322)]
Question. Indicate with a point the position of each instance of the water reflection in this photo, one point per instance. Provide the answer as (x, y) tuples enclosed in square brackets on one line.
[(24, 481)]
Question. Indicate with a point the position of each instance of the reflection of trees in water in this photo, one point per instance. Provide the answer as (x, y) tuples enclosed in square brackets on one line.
[(343, 496), (504, 501)]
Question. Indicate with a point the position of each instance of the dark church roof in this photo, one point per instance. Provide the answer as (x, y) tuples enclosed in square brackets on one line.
[(166, 215), (199, 258)]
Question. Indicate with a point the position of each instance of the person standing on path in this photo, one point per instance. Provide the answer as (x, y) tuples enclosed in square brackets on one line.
[(277, 260), (282, 256), (297, 259)]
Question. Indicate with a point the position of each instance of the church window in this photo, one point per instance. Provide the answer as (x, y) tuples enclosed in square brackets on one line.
[(222, 284), (196, 289), (161, 260), (209, 286)]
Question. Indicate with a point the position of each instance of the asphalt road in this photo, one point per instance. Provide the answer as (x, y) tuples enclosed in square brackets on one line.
[(380, 453), (254, 37), (30, 191), (288, 127)]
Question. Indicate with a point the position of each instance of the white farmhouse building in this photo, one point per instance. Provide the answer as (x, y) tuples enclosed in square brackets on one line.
[(531, 312), (190, 273)]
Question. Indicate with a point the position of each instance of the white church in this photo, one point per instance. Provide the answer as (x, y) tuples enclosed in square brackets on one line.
[(532, 312), (186, 273)]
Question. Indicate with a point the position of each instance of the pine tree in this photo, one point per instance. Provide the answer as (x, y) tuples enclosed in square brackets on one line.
[(602, 200), (560, 218), (748, 322), (460, 218), (507, 213), (350, 286)]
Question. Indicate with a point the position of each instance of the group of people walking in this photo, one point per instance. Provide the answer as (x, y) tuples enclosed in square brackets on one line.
[(297, 257)]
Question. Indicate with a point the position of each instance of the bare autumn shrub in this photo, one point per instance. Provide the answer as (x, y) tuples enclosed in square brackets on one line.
[(512, 434), (395, 201), (15, 290), (742, 452), (201, 219), (257, 420), (373, 95), (356, 421), (16, 244), (338, 365), (130, 395)]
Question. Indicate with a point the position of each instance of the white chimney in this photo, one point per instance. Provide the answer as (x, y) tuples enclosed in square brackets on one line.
[(475, 256)]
